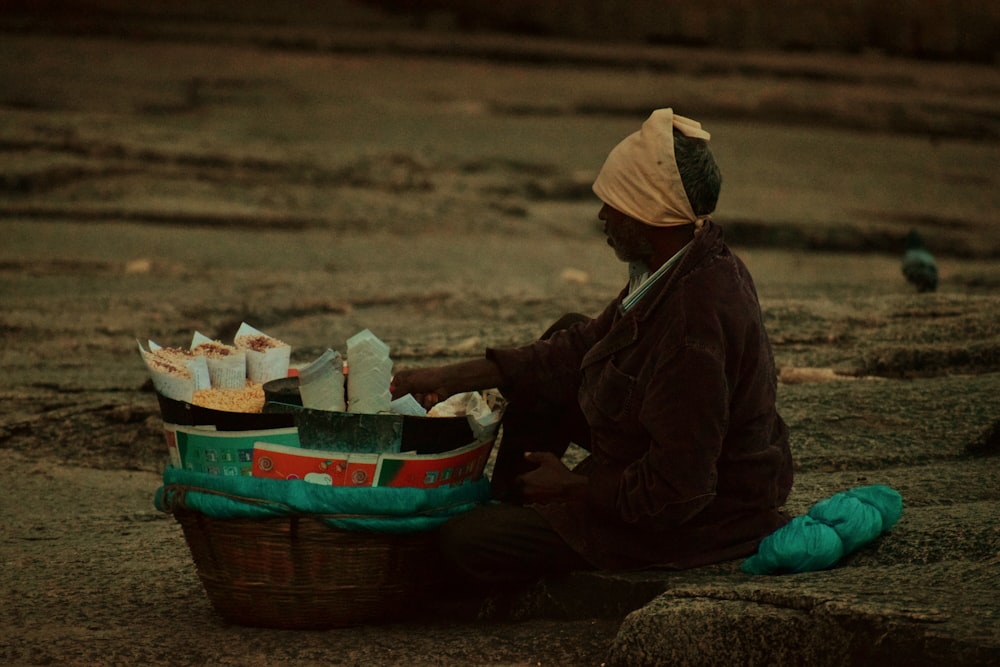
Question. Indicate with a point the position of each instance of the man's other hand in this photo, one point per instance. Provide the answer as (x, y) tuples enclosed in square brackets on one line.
[(550, 481)]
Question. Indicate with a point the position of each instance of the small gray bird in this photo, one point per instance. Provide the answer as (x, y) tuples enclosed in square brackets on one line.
[(919, 266)]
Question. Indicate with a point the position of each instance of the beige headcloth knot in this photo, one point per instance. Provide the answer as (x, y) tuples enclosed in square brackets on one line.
[(640, 176)]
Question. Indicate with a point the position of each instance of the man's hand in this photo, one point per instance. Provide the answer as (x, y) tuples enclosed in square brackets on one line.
[(423, 383), (550, 481), (430, 385)]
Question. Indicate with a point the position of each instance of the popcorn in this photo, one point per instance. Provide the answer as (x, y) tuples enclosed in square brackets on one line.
[(249, 398)]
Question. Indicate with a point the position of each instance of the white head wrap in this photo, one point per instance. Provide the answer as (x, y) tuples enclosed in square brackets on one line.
[(640, 176)]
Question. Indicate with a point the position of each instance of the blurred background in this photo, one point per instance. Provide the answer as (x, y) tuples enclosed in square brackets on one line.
[(960, 29), (957, 29)]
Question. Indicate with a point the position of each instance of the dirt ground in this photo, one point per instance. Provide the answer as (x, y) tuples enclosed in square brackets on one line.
[(187, 177)]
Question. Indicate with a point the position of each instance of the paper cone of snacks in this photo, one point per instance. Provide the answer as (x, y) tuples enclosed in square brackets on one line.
[(227, 364), (214, 375), (175, 373), (267, 357)]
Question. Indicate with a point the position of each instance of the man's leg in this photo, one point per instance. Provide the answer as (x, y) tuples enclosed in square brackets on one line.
[(546, 430), (502, 543), (523, 431)]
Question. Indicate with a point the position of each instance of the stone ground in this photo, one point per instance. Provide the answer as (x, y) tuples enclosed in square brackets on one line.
[(163, 177)]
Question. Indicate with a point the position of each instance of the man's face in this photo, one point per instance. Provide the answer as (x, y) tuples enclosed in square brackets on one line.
[(626, 235)]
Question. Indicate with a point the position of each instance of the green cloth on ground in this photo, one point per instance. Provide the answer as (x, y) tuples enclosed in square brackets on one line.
[(832, 529), (372, 509)]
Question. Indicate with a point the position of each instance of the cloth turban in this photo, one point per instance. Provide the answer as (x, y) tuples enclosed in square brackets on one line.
[(640, 176)]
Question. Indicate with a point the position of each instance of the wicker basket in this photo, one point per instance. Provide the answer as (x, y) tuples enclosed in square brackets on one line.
[(298, 573)]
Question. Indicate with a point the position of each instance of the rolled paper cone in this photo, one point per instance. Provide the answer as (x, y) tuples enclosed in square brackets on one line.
[(228, 372), (175, 373), (199, 338), (227, 365), (199, 372), (268, 365), (264, 363), (178, 385), (171, 386), (195, 364), (247, 330)]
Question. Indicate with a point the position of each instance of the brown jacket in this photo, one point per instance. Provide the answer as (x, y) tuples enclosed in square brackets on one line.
[(689, 460)]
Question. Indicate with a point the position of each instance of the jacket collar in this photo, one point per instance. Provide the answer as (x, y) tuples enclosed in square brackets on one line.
[(625, 329), (706, 244)]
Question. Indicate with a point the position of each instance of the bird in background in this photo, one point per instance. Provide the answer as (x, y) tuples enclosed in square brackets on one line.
[(919, 266)]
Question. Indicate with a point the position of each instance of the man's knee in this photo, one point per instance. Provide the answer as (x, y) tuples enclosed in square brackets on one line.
[(504, 543)]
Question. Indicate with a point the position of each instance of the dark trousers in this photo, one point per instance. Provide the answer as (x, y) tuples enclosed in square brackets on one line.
[(510, 542), (504, 543)]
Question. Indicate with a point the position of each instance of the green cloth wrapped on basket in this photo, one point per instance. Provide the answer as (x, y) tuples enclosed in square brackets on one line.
[(370, 509)]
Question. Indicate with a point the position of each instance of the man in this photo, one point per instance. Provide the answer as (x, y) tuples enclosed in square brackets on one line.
[(671, 389)]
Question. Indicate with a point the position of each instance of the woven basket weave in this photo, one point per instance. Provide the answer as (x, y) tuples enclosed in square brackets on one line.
[(298, 573)]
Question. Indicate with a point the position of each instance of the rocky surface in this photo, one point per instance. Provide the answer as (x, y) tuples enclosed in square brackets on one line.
[(172, 176)]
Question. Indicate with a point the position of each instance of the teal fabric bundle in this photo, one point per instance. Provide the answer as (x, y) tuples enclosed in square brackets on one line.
[(374, 509), (832, 529)]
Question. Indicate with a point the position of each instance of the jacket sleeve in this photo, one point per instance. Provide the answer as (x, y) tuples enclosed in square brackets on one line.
[(684, 411), (548, 371)]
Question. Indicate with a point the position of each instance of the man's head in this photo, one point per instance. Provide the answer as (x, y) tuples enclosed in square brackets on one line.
[(629, 237), (699, 173), (663, 175)]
